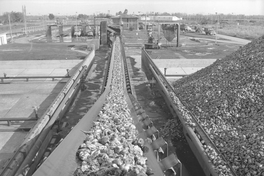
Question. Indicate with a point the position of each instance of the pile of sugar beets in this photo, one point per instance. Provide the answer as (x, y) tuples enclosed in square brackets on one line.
[(111, 146), (227, 98)]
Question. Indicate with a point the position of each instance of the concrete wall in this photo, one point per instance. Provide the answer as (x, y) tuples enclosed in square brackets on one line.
[(3, 39)]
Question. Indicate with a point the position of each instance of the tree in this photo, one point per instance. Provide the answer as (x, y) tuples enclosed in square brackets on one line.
[(82, 16), (125, 12), (51, 16), (14, 17), (119, 13)]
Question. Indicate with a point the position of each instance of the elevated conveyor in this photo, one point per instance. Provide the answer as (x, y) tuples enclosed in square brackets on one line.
[(197, 138), (62, 161), (39, 136)]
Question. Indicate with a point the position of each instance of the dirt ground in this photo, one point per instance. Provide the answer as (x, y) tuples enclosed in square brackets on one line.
[(151, 102), (41, 51), (190, 46)]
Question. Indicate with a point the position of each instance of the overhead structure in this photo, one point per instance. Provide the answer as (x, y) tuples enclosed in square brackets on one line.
[(129, 22), (103, 32), (170, 31)]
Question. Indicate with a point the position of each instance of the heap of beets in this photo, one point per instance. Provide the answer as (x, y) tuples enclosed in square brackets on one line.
[(227, 99)]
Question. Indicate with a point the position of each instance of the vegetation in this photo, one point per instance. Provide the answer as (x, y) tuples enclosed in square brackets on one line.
[(14, 17), (241, 26), (51, 16), (243, 31)]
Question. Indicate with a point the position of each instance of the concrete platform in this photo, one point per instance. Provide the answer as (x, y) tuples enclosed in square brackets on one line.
[(181, 66), (18, 97)]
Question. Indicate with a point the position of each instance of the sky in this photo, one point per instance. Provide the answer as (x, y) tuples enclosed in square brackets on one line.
[(71, 7)]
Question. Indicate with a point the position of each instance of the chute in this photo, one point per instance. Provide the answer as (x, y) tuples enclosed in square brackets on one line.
[(169, 31)]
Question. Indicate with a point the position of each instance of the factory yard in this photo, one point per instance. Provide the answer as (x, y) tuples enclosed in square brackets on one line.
[(26, 58), (19, 98)]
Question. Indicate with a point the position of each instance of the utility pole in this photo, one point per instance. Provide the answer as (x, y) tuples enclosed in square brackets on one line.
[(94, 27), (10, 28), (25, 20), (216, 27), (76, 25)]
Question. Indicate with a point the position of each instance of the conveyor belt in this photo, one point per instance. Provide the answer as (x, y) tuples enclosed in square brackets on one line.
[(196, 134), (62, 161)]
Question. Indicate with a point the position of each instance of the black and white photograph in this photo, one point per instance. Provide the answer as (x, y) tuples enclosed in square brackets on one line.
[(131, 88)]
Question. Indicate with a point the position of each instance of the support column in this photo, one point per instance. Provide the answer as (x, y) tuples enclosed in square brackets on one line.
[(61, 32), (95, 30), (72, 32), (158, 32), (103, 33), (178, 34), (83, 31), (48, 33), (137, 25)]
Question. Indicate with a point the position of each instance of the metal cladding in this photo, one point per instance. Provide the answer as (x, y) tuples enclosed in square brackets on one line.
[(103, 33), (169, 31)]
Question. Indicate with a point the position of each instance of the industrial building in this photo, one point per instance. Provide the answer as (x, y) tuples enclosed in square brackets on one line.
[(160, 18), (128, 21)]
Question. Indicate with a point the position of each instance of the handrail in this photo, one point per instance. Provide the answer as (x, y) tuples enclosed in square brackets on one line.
[(35, 77), (32, 77)]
